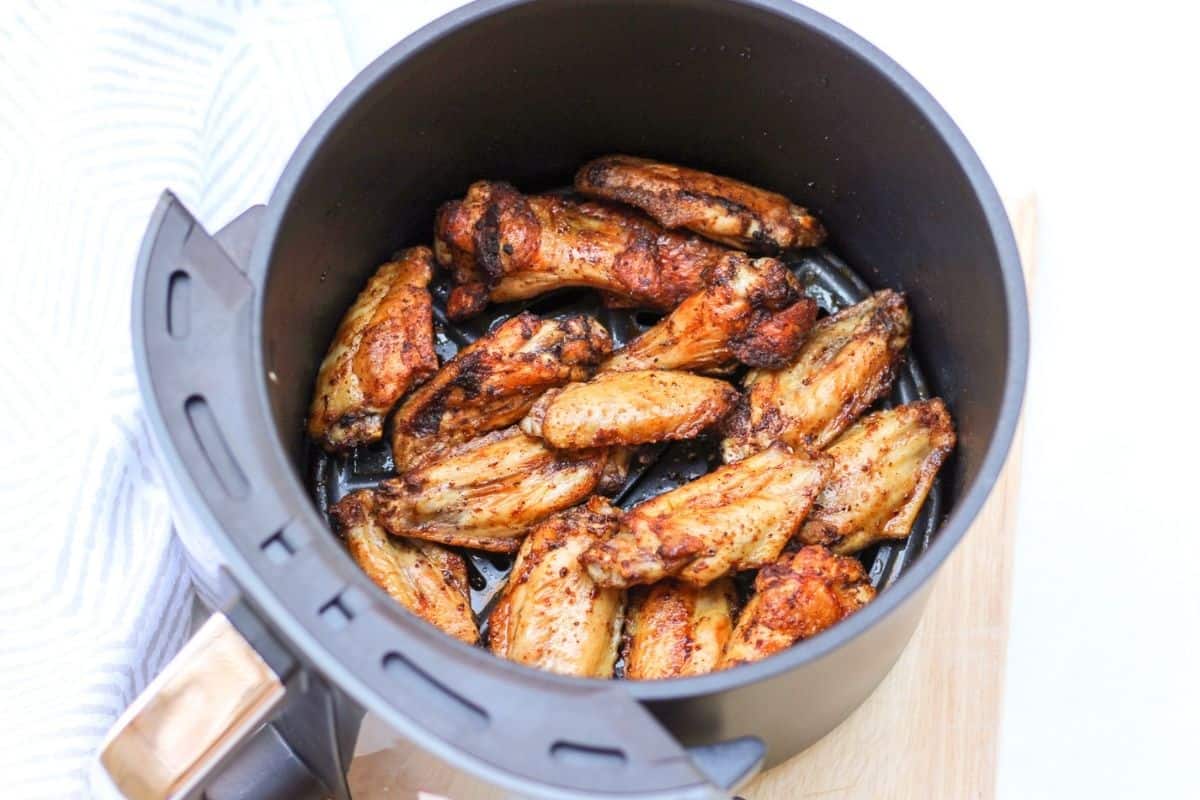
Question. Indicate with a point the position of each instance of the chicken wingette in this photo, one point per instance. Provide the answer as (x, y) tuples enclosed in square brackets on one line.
[(550, 614), (883, 469), (848, 361), (726, 210), (673, 630), (501, 245), (383, 347), (736, 517), (627, 408), (752, 311), (426, 578), (486, 493), (493, 382), (799, 596)]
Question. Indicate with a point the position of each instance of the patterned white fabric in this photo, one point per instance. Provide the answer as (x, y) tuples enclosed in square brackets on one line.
[(101, 107)]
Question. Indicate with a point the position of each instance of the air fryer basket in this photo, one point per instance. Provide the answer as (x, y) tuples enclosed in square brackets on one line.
[(826, 278), (228, 332)]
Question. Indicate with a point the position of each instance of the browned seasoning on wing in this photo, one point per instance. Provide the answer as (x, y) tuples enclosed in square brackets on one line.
[(847, 362), (883, 469), (737, 517), (752, 311), (426, 578), (627, 408), (673, 630), (502, 245), (799, 596), (493, 382), (486, 493), (550, 614), (382, 348), (723, 209)]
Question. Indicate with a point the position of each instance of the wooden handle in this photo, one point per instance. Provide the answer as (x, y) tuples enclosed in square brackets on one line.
[(214, 693)]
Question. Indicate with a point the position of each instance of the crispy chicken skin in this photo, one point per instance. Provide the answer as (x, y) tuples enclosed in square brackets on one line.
[(486, 493), (737, 517), (493, 382), (799, 596), (626, 408), (883, 468), (723, 209), (502, 245), (426, 578), (550, 614), (752, 311), (673, 630), (382, 348), (848, 360)]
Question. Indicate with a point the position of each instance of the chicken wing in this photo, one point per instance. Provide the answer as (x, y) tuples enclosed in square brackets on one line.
[(799, 596), (883, 468), (383, 347), (723, 209), (673, 630), (486, 493), (502, 245), (736, 517), (494, 381), (752, 311), (550, 614), (626, 408), (427, 579), (847, 362)]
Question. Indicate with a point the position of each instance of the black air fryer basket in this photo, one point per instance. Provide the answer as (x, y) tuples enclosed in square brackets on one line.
[(229, 331)]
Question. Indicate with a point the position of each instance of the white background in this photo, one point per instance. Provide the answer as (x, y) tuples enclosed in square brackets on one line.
[(1092, 106)]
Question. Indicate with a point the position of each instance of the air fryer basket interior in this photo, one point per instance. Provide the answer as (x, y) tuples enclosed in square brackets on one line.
[(529, 94)]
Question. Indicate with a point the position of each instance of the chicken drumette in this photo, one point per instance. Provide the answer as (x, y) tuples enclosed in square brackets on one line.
[(673, 630), (502, 245), (723, 209), (550, 614), (383, 347)]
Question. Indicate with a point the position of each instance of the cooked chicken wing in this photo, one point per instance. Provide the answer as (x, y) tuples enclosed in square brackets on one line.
[(486, 493), (673, 630), (502, 245), (847, 362), (799, 596), (883, 468), (736, 517), (723, 209), (494, 381), (753, 311), (625, 408), (383, 347), (427, 579), (550, 614)]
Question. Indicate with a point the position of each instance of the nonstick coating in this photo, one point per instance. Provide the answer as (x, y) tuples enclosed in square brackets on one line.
[(826, 278)]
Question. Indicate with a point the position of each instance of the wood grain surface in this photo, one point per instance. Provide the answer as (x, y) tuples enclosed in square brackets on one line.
[(930, 730)]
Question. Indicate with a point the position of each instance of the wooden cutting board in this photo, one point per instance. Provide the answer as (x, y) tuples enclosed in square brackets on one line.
[(932, 727)]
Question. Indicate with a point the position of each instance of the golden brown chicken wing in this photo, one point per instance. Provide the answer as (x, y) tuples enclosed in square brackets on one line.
[(848, 361), (723, 209), (502, 245), (494, 381), (486, 493), (736, 517), (883, 468), (626, 408), (799, 596), (673, 630), (550, 614), (383, 347), (752, 311), (427, 579)]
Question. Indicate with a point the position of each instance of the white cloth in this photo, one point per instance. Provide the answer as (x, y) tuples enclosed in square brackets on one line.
[(102, 106)]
